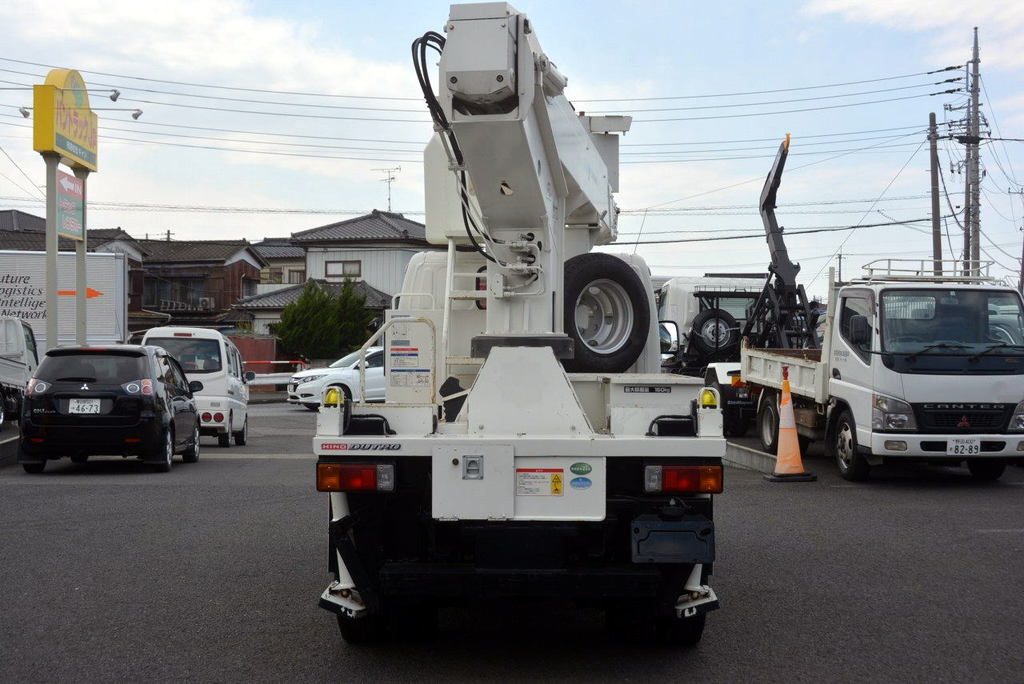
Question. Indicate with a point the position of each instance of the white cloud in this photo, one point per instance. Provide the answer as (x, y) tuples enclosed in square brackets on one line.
[(1000, 22)]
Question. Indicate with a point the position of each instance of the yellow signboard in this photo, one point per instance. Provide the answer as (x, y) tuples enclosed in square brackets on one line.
[(63, 122)]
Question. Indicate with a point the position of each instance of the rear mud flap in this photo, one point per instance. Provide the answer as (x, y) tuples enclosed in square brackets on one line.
[(342, 600)]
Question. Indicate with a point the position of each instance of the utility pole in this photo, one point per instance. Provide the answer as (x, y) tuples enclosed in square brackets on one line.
[(389, 178), (933, 137), (972, 206), (1020, 280)]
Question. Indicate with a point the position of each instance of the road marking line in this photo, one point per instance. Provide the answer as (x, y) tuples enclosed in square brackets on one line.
[(10, 439), (258, 457), (1018, 530)]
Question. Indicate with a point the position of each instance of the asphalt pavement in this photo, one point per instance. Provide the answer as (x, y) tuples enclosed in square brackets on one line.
[(212, 572)]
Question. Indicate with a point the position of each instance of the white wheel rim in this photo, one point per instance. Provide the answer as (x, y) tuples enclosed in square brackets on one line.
[(767, 426), (604, 316), (844, 446), (195, 437), (168, 448), (715, 332)]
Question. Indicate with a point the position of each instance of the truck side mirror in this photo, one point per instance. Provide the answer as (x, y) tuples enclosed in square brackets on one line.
[(249, 376), (860, 333), (195, 386), (668, 333)]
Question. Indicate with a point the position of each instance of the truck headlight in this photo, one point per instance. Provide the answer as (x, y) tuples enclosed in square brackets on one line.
[(1017, 419), (888, 414)]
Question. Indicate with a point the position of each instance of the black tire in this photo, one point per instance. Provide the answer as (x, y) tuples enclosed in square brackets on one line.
[(714, 331), (34, 468), (191, 454), (805, 444), (768, 423), (369, 629), (242, 436), (224, 438), (166, 451), (852, 466), (686, 632), (80, 459), (732, 422), (312, 407), (985, 470), (595, 283), (632, 621)]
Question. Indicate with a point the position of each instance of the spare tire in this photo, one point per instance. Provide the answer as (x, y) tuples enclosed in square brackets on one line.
[(714, 331), (607, 313)]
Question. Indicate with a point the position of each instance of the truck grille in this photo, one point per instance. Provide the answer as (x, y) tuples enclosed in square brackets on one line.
[(962, 418)]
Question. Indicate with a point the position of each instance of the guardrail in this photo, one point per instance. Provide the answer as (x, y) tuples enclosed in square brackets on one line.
[(279, 378)]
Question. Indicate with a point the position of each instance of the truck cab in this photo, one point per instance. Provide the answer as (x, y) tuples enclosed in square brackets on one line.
[(213, 359), (927, 370), (18, 360)]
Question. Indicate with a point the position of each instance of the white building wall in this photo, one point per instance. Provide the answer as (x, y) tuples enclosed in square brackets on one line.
[(382, 268)]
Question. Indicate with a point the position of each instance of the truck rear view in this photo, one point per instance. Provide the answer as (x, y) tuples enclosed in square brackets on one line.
[(528, 445)]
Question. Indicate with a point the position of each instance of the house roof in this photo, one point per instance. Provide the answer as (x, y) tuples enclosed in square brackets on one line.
[(31, 241), (278, 248), (15, 219), (278, 299), (380, 226), (175, 251)]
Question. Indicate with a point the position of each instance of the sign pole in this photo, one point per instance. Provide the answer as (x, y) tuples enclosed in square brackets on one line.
[(52, 244), (81, 321)]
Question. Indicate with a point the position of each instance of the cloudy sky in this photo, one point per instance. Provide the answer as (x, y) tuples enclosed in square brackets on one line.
[(261, 119)]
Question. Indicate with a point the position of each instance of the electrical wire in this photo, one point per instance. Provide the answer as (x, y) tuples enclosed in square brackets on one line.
[(1012, 176), (32, 183), (760, 156), (776, 90), (823, 229)]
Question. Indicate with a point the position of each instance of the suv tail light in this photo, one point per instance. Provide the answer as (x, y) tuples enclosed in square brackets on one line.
[(683, 479), (36, 387), (355, 477), (144, 386)]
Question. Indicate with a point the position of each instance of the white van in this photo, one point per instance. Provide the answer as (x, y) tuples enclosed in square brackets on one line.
[(210, 357)]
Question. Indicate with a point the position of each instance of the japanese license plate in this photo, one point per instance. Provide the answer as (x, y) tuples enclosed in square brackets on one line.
[(963, 446), (84, 406)]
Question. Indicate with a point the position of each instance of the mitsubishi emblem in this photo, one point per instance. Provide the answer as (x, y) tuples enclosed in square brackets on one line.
[(84, 386), (964, 423)]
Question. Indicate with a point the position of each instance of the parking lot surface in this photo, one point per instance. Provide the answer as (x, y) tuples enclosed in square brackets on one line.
[(212, 572)]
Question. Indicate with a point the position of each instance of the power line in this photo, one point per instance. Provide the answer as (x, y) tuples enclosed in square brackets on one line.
[(776, 138), (823, 229), (781, 206), (27, 177), (1012, 177), (771, 102), (759, 147), (792, 111), (882, 194), (776, 90), (757, 156), (263, 113)]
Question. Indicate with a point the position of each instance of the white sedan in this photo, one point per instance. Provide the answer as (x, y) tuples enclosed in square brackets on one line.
[(307, 387)]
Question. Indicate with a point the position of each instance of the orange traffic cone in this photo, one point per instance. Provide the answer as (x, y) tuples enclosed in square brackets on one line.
[(788, 465)]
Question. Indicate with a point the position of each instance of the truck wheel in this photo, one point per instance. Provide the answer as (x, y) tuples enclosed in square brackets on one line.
[(852, 466), (768, 423), (714, 331), (632, 621), (34, 468), (732, 424), (606, 313), (368, 629), (677, 631), (985, 470)]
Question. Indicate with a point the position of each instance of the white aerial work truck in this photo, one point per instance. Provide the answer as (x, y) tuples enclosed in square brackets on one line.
[(913, 365), (18, 360), (528, 445)]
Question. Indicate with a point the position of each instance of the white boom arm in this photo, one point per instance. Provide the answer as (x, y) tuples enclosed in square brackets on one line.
[(542, 176)]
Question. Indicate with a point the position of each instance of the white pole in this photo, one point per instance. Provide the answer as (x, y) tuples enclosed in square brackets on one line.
[(52, 244), (81, 281)]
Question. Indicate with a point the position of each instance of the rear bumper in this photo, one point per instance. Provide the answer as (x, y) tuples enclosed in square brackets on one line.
[(41, 442), (934, 446)]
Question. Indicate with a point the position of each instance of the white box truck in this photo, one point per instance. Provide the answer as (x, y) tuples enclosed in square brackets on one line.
[(23, 295)]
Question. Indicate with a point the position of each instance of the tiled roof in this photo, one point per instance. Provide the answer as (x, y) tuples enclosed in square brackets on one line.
[(278, 299), (171, 251), (375, 226), (30, 241), (15, 219), (278, 248)]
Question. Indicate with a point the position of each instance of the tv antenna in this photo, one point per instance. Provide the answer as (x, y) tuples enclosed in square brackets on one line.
[(389, 178)]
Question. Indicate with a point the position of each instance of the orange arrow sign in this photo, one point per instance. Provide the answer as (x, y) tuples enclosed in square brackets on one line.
[(89, 293)]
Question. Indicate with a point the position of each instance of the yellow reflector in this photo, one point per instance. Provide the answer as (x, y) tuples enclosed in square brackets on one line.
[(331, 397), (707, 399)]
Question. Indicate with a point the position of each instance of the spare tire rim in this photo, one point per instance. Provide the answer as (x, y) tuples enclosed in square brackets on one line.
[(715, 332), (604, 316)]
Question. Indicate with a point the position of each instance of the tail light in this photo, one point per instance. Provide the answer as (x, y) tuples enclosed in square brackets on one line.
[(206, 417), (683, 479), (144, 386), (736, 381), (355, 477), (36, 387), (218, 417)]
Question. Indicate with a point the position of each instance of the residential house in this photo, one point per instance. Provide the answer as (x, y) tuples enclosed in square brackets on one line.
[(264, 310), (286, 263)]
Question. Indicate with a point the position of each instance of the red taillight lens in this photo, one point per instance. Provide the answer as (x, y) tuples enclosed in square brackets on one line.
[(206, 417), (355, 477), (683, 479), (218, 417)]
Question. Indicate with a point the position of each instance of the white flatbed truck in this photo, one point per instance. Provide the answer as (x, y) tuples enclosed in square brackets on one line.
[(528, 445)]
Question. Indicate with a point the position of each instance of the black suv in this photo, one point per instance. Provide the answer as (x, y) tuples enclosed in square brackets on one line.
[(127, 400)]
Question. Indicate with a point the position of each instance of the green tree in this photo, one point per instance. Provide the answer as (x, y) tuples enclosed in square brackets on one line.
[(321, 325)]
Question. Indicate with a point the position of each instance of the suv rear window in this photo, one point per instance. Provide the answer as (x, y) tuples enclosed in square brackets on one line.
[(113, 369), (194, 354)]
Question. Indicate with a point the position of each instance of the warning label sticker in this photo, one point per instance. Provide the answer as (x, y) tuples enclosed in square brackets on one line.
[(405, 357), (540, 481)]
